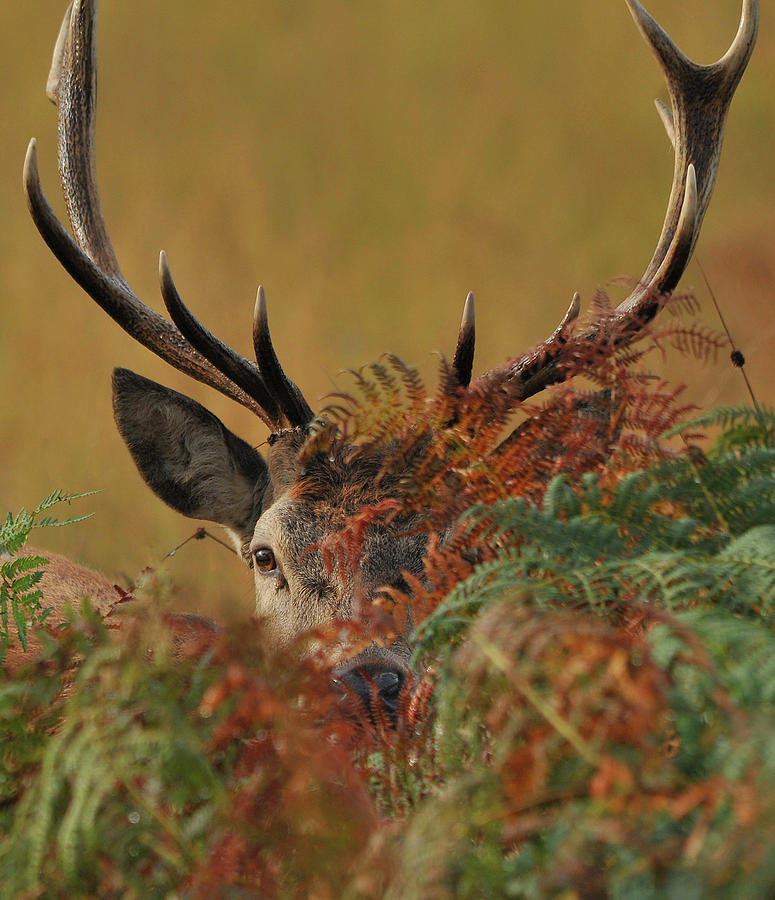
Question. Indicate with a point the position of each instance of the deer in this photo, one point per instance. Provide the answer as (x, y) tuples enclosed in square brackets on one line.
[(277, 510)]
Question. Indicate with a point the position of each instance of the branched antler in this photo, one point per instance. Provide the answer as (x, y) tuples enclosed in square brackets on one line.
[(90, 259), (700, 98)]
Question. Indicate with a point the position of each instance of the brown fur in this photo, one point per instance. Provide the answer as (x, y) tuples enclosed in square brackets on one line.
[(65, 584)]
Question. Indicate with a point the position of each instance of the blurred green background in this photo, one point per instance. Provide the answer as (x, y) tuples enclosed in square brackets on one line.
[(369, 163)]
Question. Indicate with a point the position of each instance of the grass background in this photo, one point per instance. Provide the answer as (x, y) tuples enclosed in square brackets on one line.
[(369, 163)]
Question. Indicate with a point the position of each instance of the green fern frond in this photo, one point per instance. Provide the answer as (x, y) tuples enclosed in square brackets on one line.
[(742, 426), (20, 600)]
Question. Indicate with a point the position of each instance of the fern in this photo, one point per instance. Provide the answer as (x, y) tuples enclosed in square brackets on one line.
[(15, 531), (669, 535), (758, 424), (595, 674), (20, 598), (676, 564), (113, 745)]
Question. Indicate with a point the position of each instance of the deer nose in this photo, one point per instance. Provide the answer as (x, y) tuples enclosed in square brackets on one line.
[(376, 681)]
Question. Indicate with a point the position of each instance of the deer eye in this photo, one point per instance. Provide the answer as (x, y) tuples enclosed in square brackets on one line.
[(264, 560)]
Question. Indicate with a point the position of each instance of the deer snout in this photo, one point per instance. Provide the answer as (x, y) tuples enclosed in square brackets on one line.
[(376, 682)]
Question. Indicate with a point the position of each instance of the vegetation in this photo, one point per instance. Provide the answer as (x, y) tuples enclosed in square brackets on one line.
[(591, 718), (21, 603)]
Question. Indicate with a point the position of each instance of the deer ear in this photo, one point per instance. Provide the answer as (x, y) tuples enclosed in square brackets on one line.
[(187, 456)]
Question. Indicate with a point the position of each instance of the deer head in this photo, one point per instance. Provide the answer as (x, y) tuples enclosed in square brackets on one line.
[(278, 509)]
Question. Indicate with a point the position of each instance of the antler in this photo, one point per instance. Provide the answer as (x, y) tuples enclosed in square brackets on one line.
[(91, 261), (463, 360), (700, 97)]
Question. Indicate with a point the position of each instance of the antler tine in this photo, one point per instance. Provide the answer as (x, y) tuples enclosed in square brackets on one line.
[(700, 97), (114, 296), (72, 87), (90, 259), (238, 369), (289, 398), (463, 361)]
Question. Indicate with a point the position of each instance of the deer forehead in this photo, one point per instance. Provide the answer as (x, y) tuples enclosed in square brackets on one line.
[(302, 531), (290, 528)]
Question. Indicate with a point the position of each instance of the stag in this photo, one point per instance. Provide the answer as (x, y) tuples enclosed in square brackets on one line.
[(278, 511)]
